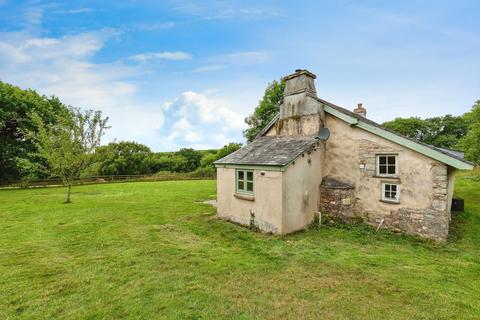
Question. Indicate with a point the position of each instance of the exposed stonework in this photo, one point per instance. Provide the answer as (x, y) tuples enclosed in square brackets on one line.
[(337, 200), (367, 152), (431, 221)]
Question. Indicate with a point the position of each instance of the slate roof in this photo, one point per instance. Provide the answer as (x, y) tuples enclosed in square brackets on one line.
[(271, 151), (332, 183), (452, 153)]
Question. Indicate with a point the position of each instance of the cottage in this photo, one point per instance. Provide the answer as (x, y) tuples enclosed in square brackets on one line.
[(315, 157)]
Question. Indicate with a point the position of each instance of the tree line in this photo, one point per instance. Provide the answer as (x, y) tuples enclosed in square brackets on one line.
[(40, 137), (131, 158)]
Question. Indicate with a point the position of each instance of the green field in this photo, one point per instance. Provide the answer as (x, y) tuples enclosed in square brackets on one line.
[(151, 250)]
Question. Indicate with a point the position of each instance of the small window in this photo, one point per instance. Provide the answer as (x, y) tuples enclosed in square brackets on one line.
[(245, 181), (387, 165), (390, 192)]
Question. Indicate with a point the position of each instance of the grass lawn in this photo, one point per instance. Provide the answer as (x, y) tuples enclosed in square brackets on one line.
[(151, 250)]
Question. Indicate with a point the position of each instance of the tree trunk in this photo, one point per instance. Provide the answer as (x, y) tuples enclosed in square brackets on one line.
[(69, 191)]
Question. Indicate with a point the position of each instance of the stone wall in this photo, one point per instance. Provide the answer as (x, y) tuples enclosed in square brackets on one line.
[(367, 151), (429, 221), (337, 200), (425, 184)]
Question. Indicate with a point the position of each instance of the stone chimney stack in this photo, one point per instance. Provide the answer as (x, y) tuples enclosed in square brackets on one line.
[(360, 110), (300, 81), (299, 96), (301, 113)]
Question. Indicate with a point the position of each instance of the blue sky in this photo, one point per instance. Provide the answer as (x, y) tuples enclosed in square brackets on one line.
[(174, 74)]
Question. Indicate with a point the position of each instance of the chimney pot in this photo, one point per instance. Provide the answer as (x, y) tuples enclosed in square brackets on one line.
[(360, 110)]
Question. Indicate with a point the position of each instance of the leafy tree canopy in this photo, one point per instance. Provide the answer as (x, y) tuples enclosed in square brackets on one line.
[(192, 158), (267, 108), (443, 131), (470, 143), (124, 158), (209, 159), (17, 148)]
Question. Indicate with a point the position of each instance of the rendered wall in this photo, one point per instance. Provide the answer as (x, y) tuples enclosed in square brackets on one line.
[(425, 191), (301, 183), (451, 184), (266, 205)]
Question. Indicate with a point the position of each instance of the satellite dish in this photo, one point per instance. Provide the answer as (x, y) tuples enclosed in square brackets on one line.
[(323, 134)]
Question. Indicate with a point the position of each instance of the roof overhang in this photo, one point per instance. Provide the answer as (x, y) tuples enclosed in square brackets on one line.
[(252, 166)]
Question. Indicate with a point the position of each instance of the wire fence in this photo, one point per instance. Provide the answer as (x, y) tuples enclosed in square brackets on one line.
[(56, 182)]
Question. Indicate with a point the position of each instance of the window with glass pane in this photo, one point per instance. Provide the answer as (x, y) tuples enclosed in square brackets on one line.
[(245, 181), (391, 192), (387, 165)]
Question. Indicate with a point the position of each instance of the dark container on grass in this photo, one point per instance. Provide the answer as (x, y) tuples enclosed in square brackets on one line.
[(457, 204)]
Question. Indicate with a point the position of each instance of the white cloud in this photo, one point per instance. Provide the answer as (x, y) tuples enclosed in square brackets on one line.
[(63, 67), (182, 124), (213, 111), (224, 10), (157, 26), (164, 55), (75, 11), (200, 120), (242, 58), (243, 13), (209, 68), (248, 56), (192, 136)]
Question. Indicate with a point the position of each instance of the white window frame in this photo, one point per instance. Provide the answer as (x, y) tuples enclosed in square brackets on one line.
[(394, 200), (245, 181), (378, 165)]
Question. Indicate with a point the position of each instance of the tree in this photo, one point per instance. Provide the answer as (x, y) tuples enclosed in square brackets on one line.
[(267, 108), (443, 132), (16, 147), (413, 127), (470, 143), (209, 158), (69, 143), (192, 158), (227, 149), (124, 158)]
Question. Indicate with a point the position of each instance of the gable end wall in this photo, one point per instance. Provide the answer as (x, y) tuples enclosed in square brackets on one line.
[(425, 183)]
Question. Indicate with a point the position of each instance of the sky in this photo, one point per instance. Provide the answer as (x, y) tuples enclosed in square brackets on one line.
[(173, 74)]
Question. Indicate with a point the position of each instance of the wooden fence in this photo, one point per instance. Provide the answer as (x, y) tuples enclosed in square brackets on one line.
[(105, 179)]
